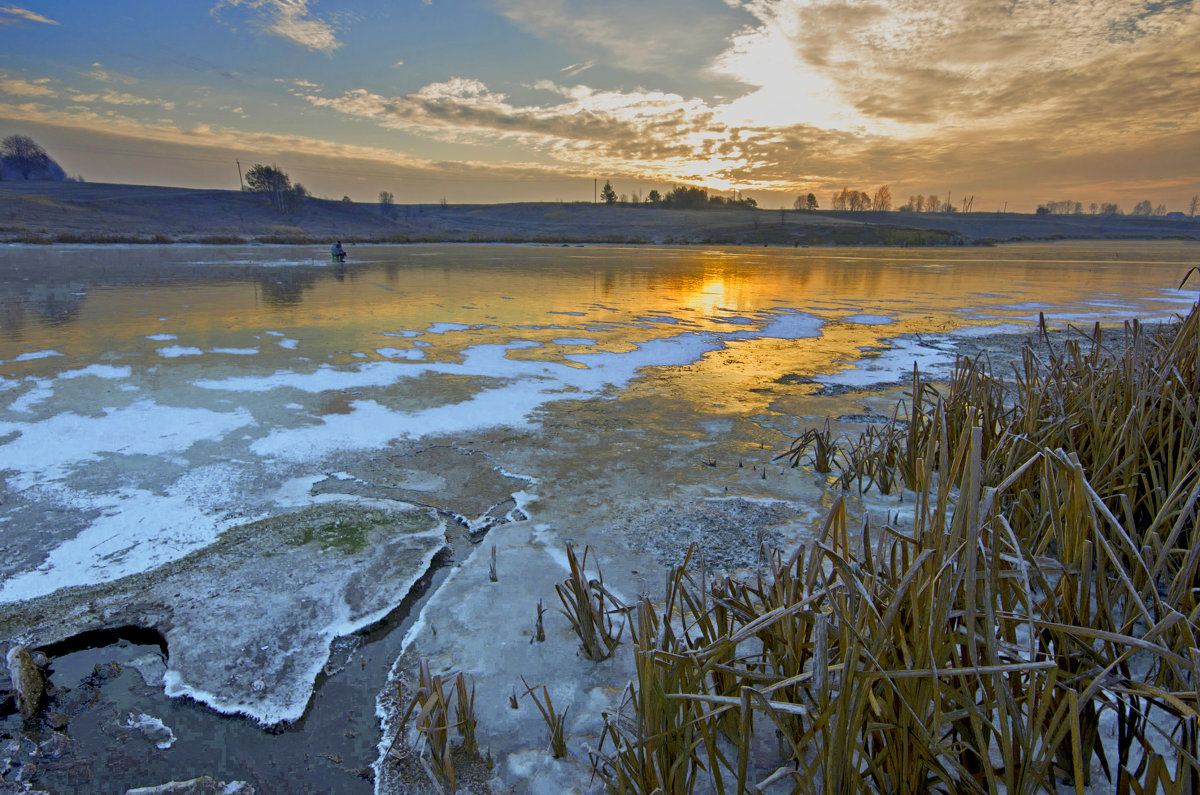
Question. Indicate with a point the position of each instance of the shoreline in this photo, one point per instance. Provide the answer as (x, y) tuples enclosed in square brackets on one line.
[(50, 213)]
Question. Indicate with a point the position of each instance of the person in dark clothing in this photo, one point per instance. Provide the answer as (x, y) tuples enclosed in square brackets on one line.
[(337, 252)]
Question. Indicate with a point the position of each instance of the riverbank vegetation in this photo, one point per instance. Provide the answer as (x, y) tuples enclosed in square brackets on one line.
[(1025, 621), (1035, 614)]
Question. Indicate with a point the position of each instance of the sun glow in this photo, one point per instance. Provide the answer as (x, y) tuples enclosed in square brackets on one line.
[(789, 91)]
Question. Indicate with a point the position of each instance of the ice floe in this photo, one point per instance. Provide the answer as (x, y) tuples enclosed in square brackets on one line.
[(175, 351), (34, 355)]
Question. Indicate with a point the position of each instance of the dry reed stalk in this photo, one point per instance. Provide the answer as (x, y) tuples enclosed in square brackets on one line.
[(555, 721), (1049, 576), (432, 707), (589, 606)]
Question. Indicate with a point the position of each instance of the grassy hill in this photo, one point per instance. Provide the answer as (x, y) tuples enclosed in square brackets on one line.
[(67, 212)]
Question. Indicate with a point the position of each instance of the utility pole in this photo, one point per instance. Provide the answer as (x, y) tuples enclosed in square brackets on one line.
[(241, 184), (595, 191)]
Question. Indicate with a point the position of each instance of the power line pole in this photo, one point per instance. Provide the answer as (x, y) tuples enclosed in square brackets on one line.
[(241, 184)]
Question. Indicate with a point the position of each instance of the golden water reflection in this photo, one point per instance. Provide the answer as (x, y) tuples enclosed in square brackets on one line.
[(436, 302)]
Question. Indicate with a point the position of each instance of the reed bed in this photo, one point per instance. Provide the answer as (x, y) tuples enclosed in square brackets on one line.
[(1036, 617)]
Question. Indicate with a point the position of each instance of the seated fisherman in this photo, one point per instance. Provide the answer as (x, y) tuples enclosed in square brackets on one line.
[(338, 253)]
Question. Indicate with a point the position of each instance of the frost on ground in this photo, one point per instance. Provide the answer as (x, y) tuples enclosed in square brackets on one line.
[(729, 534), (249, 621)]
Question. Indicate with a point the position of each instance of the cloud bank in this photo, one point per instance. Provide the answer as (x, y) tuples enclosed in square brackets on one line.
[(1072, 98)]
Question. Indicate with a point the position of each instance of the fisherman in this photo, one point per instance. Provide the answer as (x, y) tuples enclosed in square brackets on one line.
[(337, 252)]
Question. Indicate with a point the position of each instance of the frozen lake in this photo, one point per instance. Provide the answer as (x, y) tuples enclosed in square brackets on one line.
[(153, 398)]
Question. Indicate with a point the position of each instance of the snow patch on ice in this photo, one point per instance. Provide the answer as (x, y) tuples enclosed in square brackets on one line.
[(370, 425), (892, 365), (138, 531), (870, 320), (443, 328), (98, 371), (175, 351), (46, 450), (162, 337), (41, 390), (792, 327), (29, 357)]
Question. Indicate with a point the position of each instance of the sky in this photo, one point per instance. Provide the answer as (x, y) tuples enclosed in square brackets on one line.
[(1013, 102)]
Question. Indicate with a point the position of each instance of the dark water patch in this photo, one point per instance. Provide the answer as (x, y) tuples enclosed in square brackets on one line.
[(99, 638)]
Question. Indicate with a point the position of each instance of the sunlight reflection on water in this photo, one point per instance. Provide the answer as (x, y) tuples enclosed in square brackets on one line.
[(252, 355)]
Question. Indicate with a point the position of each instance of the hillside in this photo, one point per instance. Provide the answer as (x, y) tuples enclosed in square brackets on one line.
[(67, 212)]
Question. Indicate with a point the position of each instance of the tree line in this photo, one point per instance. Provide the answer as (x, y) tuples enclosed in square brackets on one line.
[(681, 197), (1144, 208), (21, 156), (853, 200), (860, 201)]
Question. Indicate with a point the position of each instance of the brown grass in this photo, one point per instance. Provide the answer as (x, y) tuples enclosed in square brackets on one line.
[(1045, 583)]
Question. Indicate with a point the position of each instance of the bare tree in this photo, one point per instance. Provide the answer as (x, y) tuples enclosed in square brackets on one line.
[(24, 154), (1194, 206), (387, 203), (1142, 208), (883, 199)]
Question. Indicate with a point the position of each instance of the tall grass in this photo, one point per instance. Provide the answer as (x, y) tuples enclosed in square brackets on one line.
[(1045, 586)]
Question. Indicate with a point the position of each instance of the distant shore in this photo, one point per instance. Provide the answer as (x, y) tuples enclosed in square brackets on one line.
[(93, 213)]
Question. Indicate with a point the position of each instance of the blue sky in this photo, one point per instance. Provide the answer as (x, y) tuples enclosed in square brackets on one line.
[(1016, 102)]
